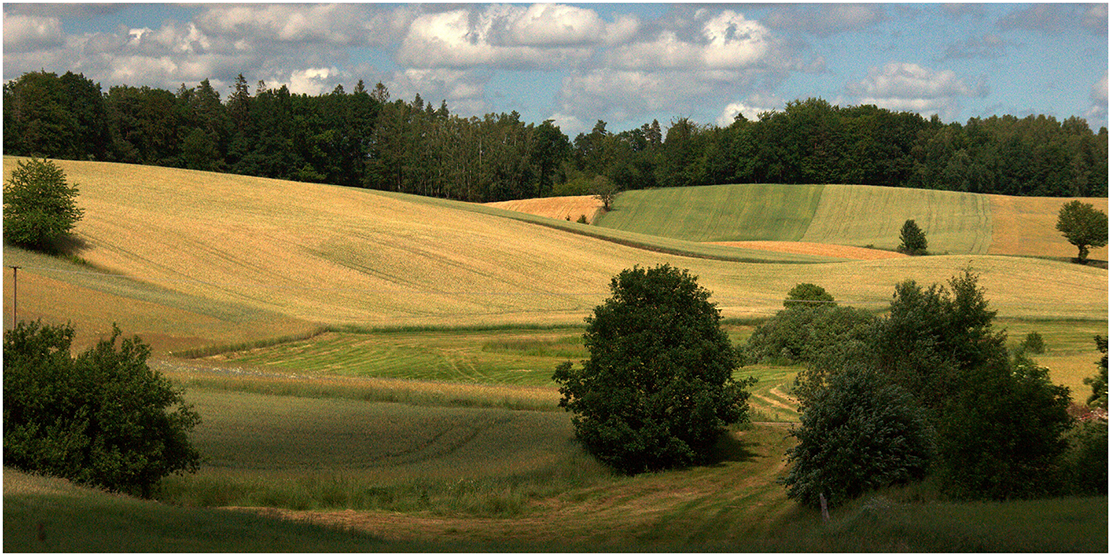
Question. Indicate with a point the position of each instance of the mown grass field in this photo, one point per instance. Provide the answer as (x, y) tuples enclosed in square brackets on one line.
[(410, 406)]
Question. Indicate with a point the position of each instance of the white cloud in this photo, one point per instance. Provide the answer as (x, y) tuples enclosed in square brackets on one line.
[(750, 108), (562, 25), (1097, 112), (23, 33), (510, 36), (911, 87), (724, 41)]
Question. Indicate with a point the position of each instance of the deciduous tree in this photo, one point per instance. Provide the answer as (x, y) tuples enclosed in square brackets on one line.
[(658, 389), (1084, 226), (40, 206)]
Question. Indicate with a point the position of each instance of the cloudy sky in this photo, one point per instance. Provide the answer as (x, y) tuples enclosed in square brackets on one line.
[(578, 63)]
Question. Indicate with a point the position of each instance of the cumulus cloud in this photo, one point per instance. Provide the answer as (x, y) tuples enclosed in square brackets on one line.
[(726, 40), (510, 36), (911, 87), (562, 25), (751, 108), (26, 33), (1097, 112)]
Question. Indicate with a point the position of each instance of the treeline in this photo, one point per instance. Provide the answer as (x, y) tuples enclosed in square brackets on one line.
[(363, 139)]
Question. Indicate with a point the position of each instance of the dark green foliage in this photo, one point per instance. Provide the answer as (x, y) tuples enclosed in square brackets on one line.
[(857, 434), (1098, 398), (1084, 226), (807, 333), (808, 294), (657, 391), (1086, 459), (1001, 435), (39, 205), (1033, 343), (103, 418), (912, 240)]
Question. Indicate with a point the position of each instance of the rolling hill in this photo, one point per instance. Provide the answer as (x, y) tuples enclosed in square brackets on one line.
[(188, 258)]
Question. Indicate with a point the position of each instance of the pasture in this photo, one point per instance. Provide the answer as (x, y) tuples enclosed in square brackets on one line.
[(373, 370)]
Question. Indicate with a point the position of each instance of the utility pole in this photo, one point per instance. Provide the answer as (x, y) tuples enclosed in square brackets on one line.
[(15, 295)]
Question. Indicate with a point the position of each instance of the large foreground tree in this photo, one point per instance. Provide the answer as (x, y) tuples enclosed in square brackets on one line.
[(658, 389)]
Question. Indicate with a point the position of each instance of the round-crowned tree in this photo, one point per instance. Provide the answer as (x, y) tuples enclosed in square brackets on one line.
[(657, 391), (39, 205)]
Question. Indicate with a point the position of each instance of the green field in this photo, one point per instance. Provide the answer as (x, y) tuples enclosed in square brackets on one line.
[(380, 365), (956, 223)]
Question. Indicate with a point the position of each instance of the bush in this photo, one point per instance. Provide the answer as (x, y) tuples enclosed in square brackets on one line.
[(39, 206), (806, 333), (657, 391), (912, 240), (1033, 343), (1086, 459), (103, 418), (808, 295), (1002, 435), (858, 434)]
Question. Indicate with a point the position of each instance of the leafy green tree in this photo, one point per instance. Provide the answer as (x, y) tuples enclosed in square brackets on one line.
[(912, 240), (1001, 436), (103, 418), (859, 433), (658, 390), (39, 205), (1084, 226), (1098, 398), (808, 294)]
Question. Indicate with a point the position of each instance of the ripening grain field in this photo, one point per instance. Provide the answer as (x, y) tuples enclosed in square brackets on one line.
[(393, 377)]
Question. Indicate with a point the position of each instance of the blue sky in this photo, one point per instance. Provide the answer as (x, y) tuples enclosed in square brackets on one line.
[(577, 63)]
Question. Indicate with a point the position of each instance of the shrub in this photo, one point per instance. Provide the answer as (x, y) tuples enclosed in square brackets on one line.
[(1001, 436), (806, 333), (808, 294), (103, 418), (658, 390), (1086, 459), (39, 206), (857, 434), (912, 240), (1033, 343)]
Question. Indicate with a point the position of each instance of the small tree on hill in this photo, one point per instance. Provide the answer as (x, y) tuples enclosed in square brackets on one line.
[(808, 294), (658, 389), (1084, 226), (39, 206), (603, 189), (912, 239), (103, 418)]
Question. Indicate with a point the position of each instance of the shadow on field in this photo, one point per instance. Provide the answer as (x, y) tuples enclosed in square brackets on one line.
[(730, 448)]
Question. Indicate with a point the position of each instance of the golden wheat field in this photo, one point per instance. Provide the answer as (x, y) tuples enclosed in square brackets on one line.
[(248, 257), (560, 208)]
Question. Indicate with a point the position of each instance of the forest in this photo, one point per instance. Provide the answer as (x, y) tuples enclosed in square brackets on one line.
[(364, 139)]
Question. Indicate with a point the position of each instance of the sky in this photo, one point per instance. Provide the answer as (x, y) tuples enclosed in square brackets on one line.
[(625, 64)]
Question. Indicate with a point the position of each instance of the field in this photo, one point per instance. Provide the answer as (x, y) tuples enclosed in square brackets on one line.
[(373, 370)]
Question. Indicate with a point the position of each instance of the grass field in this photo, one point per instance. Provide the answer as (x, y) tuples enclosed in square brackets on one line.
[(408, 405)]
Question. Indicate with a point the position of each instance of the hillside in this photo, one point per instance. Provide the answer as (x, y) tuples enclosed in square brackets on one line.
[(189, 258), (850, 215)]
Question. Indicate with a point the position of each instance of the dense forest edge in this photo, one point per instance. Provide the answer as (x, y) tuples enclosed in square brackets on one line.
[(363, 139)]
